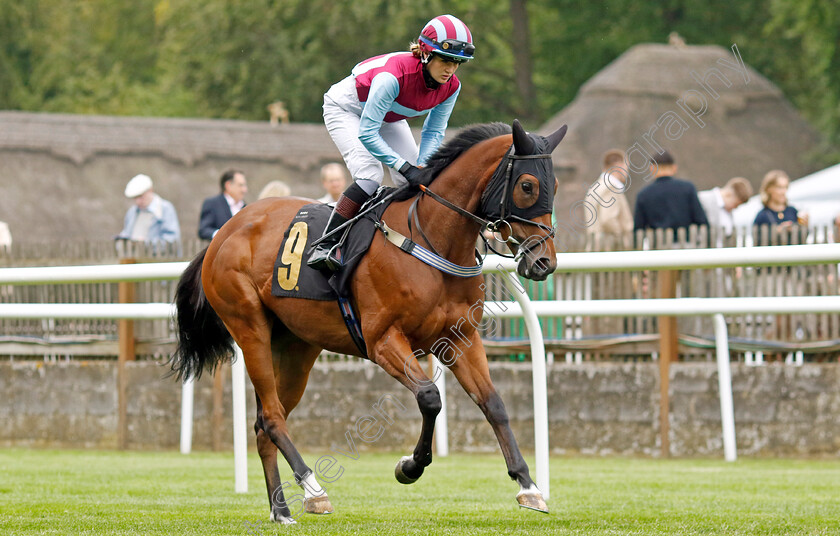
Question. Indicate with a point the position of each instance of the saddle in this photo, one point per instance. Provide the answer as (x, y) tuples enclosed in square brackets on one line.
[(293, 278)]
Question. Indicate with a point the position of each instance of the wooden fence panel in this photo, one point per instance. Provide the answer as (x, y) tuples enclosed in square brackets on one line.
[(626, 338)]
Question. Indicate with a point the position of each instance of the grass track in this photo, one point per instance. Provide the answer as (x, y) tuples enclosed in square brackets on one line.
[(106, 492)]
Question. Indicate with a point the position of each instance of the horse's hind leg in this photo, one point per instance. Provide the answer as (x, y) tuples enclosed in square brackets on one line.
[(293, 360), (393, 353), (279, 381), (280, 511), (473, 374)]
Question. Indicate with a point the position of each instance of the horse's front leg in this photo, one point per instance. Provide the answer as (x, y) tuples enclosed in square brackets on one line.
[(473, 374), (393, 353)]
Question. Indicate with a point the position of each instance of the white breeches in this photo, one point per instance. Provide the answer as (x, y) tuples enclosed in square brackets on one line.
[(343, 127)]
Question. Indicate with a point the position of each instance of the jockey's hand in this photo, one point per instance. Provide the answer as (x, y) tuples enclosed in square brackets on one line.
[(412, 174)]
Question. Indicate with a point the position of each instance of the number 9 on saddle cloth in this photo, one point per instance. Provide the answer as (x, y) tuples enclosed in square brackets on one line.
[(294, 279)]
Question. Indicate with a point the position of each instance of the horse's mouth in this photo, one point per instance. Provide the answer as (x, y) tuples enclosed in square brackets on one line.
[(537, 269), (532, 264)]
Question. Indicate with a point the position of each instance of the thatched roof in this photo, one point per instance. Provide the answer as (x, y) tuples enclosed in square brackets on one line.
[(747, 130), (80, 138), (65, 174)]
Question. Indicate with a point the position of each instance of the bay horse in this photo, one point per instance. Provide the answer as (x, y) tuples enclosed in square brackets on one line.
[(488, 171)]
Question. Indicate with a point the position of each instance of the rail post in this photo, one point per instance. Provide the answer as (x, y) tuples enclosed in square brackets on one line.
[(240, 438), (218, 407), (727, 411), (126, 352), (668, 352)]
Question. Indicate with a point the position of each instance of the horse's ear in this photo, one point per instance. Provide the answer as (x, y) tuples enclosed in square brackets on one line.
[(522, 142), (555, 138)]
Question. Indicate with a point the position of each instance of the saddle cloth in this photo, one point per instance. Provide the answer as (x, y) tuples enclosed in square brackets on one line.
[(293, 278)]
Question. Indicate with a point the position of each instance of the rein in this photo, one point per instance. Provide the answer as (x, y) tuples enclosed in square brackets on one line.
[(504, 172), (504, 218)]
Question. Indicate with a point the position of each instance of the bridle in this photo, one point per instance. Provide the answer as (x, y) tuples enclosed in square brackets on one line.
[(495, 207)]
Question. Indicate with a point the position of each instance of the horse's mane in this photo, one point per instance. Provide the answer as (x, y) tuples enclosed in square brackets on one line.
[(451, 150)]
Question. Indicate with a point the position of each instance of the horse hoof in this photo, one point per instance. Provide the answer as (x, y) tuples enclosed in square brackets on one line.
[(402, 478), (532, 501), (282, 520), (318, 505)]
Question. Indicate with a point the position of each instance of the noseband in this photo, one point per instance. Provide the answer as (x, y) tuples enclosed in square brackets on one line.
[(497, 206)]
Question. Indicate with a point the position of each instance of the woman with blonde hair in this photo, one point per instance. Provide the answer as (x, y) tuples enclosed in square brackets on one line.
[(773, 195), (275, 189)]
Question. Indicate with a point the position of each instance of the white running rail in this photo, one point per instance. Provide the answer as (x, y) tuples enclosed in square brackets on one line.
[(522, 307)]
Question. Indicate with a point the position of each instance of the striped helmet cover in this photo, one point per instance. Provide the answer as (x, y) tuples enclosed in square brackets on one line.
[(444, 28)]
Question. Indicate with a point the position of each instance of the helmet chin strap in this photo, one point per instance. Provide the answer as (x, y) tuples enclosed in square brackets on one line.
[(431, 83)]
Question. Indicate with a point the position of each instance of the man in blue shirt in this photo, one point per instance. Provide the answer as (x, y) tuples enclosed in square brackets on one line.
[(151, 219)]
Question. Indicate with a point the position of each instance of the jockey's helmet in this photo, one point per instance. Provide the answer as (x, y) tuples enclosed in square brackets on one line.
[(448, 37)]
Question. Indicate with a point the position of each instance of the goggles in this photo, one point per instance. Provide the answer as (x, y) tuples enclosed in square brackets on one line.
[(454, 47)]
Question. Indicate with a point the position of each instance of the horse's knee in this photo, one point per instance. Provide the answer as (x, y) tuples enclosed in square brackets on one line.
[(494, 410), (428, 399)]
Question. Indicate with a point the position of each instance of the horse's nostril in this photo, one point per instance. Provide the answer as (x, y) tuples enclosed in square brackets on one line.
[(542, 265)]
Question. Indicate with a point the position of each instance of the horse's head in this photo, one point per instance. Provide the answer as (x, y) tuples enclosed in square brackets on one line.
[(519, 200)]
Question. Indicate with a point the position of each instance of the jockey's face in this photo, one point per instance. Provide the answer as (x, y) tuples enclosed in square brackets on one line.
[(441, 70)]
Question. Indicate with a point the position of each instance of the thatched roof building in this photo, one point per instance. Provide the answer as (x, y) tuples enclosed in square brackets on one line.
[(719, 117), (64, 175)]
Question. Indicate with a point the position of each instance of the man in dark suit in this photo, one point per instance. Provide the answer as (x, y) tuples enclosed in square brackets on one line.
[(667, 203), (217, 210)]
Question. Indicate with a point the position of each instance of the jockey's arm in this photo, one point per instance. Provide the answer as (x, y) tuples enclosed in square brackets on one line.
[(434, 128), (383, 92)]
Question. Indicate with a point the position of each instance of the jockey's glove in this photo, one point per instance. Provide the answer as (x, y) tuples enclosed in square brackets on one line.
[(412, 174)]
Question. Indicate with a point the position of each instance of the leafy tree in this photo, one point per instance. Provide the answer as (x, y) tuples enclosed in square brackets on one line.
[(231, 58), (811, 76)]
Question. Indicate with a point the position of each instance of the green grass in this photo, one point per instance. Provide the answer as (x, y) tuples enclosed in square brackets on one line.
[(105, 492)]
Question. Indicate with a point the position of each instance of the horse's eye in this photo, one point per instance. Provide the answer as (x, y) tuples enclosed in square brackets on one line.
[(527, 191)]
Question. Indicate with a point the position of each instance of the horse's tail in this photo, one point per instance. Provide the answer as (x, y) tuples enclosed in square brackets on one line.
[(203, 339)]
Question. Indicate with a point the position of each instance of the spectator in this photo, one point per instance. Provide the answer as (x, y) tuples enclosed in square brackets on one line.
[(217, 210), (776, 210), (151, 219), (613, 216), (667, 203), (5, 236), (718, 203), (334, 181), (836, 230), (275, 189)]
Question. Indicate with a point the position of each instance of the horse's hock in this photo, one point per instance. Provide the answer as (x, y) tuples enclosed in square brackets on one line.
[(593, 408)]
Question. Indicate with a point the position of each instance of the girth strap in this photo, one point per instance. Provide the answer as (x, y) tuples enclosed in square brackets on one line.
[(354, 327)]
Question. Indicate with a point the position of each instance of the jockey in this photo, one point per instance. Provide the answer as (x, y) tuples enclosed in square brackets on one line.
[(366, 114)]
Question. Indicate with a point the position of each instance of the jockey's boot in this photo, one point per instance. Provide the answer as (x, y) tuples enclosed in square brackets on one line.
[(323, 257)]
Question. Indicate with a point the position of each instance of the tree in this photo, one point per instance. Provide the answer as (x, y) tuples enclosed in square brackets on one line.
[(811, 77), (521, 44), (231, 58)]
